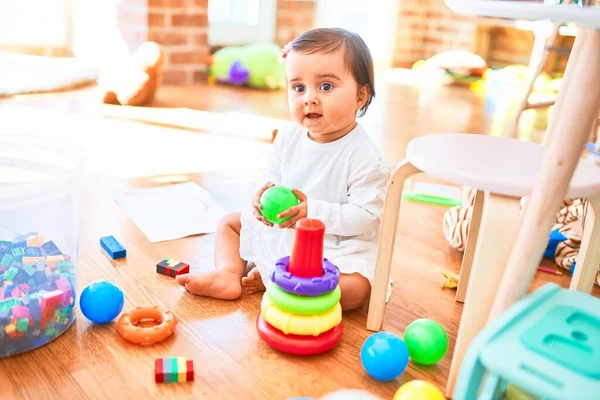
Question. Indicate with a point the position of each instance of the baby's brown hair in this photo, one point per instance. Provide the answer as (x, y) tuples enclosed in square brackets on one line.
[(357, 54)]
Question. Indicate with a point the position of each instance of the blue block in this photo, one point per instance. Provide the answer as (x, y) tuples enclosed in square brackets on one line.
[(112, 247), (32, 252), (555, 238), (50, 249), (5, 246), (17, 245)]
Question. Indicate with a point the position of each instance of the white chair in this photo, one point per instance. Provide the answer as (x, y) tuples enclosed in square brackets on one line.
[(502, 171)]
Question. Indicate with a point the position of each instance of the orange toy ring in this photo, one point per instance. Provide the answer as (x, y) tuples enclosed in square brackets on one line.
[(154, 334)]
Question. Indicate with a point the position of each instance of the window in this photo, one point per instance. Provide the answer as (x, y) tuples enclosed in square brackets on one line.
[(238, 22), (34, 25)]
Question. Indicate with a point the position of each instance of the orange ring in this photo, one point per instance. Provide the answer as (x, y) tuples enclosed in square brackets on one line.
[(151, 335)]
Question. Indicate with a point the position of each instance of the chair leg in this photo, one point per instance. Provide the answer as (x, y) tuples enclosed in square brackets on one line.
[(467, 261), (536, 69), (589, 253), (385, 248), (498, 228), (567, 134)]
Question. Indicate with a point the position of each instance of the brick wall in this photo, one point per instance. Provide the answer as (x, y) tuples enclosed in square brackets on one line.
[(293, 18), (427, 27), (179, 26)]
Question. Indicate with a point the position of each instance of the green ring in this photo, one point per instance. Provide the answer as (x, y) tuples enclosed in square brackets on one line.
[(303, 305)]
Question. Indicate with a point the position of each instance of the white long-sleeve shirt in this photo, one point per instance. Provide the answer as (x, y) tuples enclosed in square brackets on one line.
[(345, 183)]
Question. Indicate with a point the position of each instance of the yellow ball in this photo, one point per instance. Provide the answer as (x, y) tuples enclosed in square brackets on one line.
[(418, 390)]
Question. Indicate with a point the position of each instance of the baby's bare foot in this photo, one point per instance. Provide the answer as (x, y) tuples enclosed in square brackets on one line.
[(253, 282), (219, 284)]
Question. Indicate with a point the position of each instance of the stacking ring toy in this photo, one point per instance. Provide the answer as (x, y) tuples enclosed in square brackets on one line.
[(296, 344), (303, 305), (299, 324), (154, 334), (315, 286)]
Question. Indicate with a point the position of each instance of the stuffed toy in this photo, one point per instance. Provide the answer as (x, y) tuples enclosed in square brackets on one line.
[(135, 80), (255, 65), (563, 242)]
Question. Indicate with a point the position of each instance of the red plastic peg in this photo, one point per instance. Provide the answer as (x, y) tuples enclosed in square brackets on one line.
[(306, 260)]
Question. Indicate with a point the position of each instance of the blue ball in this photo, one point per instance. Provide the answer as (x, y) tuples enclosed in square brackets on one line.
[(384, 356), (101, 301)]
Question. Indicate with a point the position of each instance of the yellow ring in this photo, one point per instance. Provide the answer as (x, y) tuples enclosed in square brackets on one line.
[(306, 325)]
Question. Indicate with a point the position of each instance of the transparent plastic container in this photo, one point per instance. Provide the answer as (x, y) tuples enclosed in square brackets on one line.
[(40, 183)]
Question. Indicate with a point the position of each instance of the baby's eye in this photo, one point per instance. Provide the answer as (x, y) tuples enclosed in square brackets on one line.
[(326, 87), (299, 88)]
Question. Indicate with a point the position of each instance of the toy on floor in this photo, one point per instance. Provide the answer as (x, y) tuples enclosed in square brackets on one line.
[(255, 65), (451, 281), (426, 340), (37, 292), (452, 67), (171, 267), (563, 242), (276, 200), (300, 311), (135, 80), (173, 369), (384, 356), (127, 325), (419, 390), (101, 301), (432, 193), (112, 247)]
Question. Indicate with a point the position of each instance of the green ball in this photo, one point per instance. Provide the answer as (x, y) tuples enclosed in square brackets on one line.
[(426, 340), (276, 200)]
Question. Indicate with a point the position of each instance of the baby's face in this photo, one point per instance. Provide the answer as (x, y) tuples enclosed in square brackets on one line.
[(322, 94)]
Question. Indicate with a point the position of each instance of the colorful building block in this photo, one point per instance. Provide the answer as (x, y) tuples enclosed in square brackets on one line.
[(18, 253), (18, 244), (112, 247), (51, 261), (64, 285), (171, 267), (173, 369), (27, 260), (32, 251), (35, 241), (49, 301), (7, 260), (50, 249), (5, 246)]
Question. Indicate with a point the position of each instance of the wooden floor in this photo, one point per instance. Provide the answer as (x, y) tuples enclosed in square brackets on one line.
[(222, 151)]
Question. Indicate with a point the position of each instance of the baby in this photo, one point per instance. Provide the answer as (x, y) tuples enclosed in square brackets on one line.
[(330, 163)]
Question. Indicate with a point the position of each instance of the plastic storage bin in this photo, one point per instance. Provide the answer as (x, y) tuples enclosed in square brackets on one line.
[(39, 226)]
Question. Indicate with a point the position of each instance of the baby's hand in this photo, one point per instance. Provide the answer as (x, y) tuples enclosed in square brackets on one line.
[(297, 212), (256, 203)]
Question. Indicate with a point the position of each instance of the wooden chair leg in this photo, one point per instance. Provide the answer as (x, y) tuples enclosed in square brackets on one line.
[(536, 70), (467, 261), (588, 259), (385, 248), (567, 134), (498, 228)]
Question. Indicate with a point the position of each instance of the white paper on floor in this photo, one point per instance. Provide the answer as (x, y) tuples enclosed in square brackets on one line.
[(171, 212)]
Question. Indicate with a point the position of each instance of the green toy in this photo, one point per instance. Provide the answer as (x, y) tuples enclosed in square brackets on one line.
[(255, 65), (426, 340), (276, 200)]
